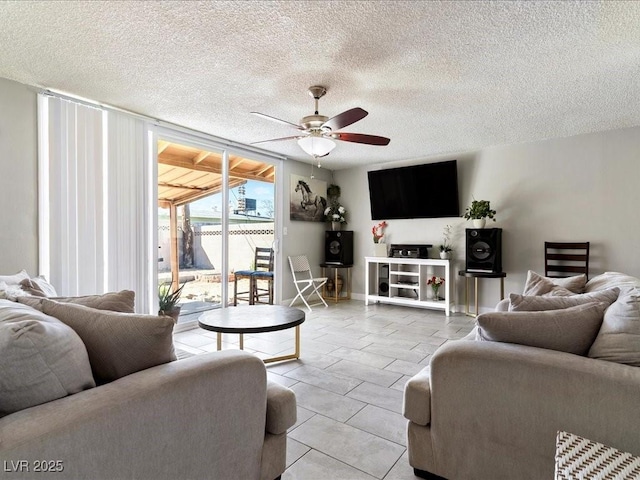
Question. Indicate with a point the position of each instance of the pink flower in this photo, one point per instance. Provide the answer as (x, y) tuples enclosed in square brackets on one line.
[(378, 231)]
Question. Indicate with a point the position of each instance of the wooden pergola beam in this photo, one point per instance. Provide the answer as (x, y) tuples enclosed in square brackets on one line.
[(203, 167), (200, 157)]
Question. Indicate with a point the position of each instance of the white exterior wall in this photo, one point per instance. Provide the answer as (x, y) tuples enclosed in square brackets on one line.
[(207, 245)]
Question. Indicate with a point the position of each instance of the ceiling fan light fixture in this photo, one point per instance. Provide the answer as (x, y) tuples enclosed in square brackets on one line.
[(316, 146)]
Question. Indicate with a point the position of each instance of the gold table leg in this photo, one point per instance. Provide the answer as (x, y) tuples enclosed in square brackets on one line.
[(292, 356), (219, 342)]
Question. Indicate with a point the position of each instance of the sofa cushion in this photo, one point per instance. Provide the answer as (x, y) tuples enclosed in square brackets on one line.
[(521, 303), (118, 343), (570, 330), (41, 359), (538, 285), (612, 279), (14, 279), (619, 337), (123, 301)]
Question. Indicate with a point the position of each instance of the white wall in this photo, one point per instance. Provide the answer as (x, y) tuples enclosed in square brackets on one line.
[(18, 179), (583, 188)]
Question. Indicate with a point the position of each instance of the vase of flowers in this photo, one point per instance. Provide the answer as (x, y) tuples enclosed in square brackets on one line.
[(379, 245), (478, 212), (445, 248), (336, 214), (435, 283)]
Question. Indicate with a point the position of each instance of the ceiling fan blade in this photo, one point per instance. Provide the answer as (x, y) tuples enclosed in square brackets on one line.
[(360, 138), (295, 137), (274, 119), (345, 118)]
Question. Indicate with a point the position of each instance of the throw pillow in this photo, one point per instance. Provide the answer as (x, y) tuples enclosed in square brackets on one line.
[(41, 359), (538, 285), (39, 287), (570, 330), (612, 279), (14, 279), (619, 337), (521, 303), (123, 301), (118, 343), (12, 291)]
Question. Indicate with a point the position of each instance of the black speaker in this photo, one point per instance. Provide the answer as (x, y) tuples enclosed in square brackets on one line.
[(484, 250), (383, 280), (338, 247)]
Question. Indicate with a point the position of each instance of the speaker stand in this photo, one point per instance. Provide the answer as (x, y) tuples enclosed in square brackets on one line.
[(476, 276), (345, 293)]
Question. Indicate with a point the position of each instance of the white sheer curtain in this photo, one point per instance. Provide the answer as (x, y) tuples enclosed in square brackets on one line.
[(94, 190)]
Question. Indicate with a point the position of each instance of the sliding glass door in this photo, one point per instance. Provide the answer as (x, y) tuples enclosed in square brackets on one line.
[(215, 209)]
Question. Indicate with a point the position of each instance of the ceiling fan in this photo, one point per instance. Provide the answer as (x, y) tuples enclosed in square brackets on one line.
[(318, 132)]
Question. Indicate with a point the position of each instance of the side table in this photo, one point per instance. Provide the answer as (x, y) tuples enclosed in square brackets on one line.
[(477, 275), (346, 286)]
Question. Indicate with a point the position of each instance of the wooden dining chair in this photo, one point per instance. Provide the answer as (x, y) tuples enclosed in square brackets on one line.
[(262, 270), (564, 259)]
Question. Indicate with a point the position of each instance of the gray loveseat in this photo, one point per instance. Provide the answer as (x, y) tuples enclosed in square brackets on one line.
[(209, 416), (492, 409)]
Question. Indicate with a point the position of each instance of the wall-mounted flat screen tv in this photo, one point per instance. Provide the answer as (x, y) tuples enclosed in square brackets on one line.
[(419, 191)]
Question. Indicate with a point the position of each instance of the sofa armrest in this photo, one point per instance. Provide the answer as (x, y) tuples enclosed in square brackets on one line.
[(204, 415), (516, 397), (281, 408), (417, 398), (503, 305)]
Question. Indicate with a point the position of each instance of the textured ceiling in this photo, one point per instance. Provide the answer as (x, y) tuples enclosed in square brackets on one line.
[(435, 77)]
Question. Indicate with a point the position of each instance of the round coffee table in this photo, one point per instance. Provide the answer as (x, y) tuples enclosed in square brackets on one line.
[(254, 319)]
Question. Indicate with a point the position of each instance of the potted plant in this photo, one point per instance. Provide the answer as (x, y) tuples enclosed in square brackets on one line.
[(445, 248), (479, 211), (333, 191), (167, 300)]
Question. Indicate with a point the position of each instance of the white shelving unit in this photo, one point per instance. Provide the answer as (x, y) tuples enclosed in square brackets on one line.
[(407, 282)]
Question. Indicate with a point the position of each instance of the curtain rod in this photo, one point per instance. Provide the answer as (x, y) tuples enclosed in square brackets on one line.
[(161, 123)]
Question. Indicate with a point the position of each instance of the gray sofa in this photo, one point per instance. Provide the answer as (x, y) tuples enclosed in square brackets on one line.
[(492, 409), (208, 416)]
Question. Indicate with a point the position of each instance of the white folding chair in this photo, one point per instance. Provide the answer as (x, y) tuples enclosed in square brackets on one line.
[(304, 280)]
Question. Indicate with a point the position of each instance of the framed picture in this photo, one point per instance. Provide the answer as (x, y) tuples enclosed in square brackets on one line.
[(307, 199)]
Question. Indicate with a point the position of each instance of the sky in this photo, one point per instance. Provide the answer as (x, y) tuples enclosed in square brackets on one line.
[(260, 191)]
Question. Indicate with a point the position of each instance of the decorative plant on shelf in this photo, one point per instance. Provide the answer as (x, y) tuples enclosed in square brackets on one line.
[(168, 299), (479, 211), (446, 238), (435, 283), (378, 232)]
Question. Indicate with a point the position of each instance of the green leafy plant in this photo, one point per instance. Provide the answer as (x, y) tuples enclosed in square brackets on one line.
[(479, 209), (168, 298), (333, 191)]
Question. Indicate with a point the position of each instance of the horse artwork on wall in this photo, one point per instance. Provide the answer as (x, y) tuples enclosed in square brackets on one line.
[(307, 200)]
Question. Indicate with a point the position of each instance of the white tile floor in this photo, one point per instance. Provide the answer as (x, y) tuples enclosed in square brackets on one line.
[(348, 382)]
